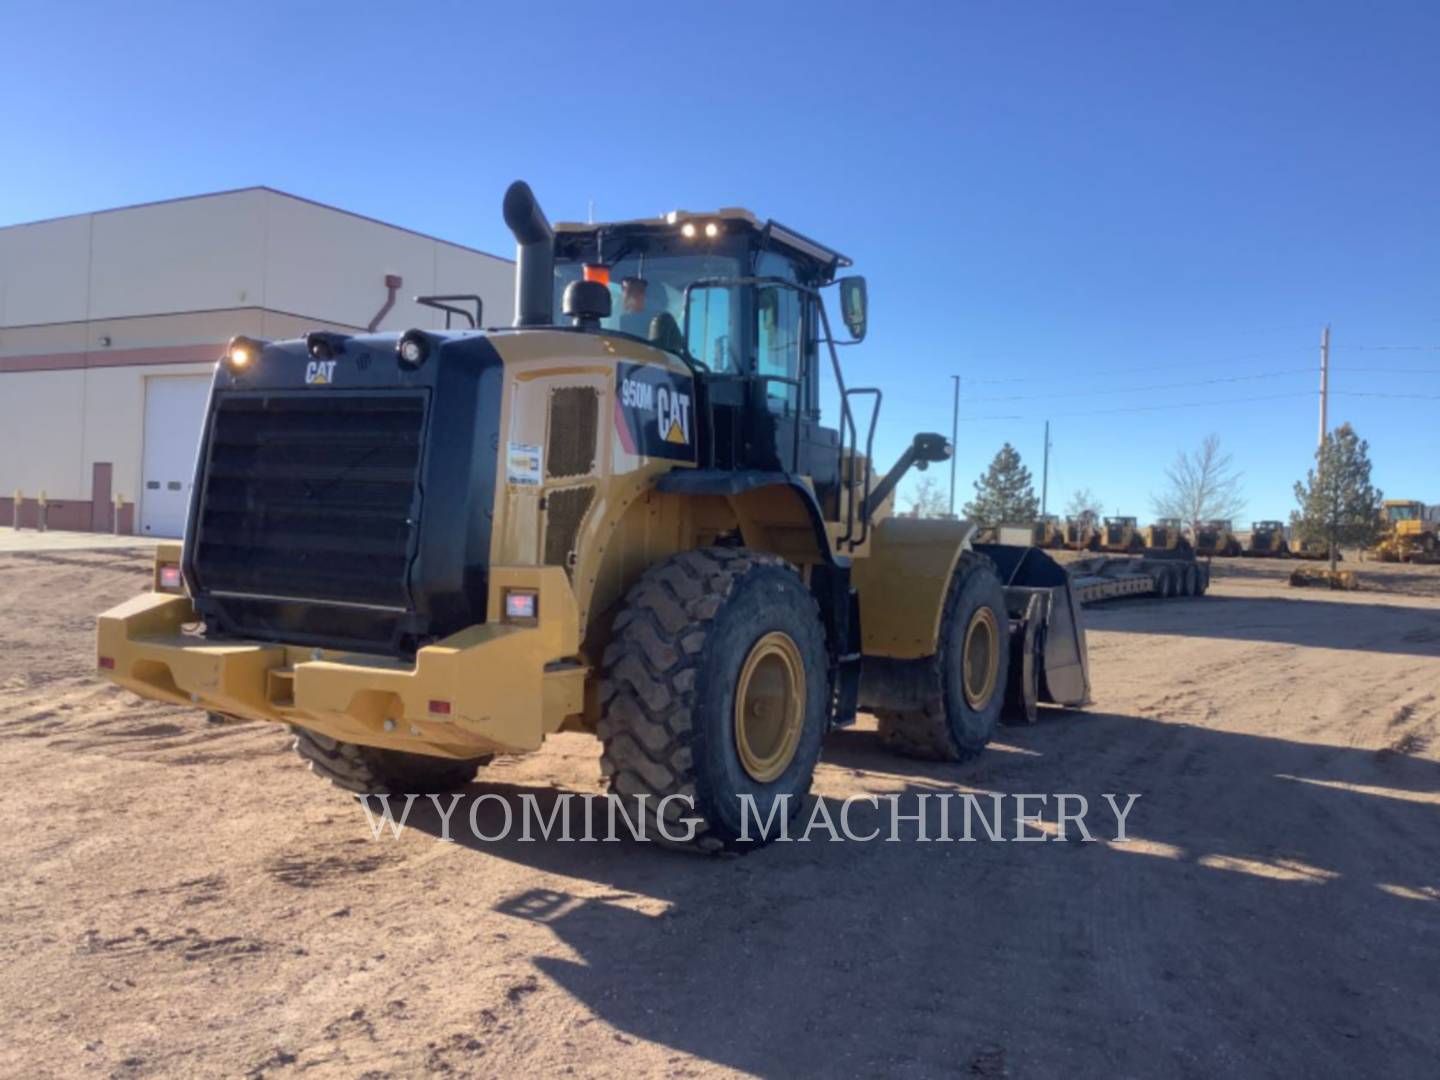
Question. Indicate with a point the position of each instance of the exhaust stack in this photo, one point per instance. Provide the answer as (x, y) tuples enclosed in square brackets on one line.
[(534, 257)]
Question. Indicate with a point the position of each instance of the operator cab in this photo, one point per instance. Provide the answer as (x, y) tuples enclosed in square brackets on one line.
[(738, 300)]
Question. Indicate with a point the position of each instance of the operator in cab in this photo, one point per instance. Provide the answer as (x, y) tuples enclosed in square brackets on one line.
[(634, 318)]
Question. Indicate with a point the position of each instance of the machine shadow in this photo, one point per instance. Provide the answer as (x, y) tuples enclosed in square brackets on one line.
[(1327, 624), (913, 957)]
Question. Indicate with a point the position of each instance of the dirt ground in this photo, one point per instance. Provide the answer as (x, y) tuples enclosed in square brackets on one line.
[(184, 900)]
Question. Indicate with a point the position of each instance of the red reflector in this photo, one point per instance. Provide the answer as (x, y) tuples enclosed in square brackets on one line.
[(441, 708), (520, 605), (170, 577), (597, 273), (107, 662)]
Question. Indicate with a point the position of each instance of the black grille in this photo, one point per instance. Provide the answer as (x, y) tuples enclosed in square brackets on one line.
[(564, 510), (574, 412), (311, 496)]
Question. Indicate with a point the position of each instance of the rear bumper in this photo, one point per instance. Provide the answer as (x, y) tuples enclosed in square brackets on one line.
[(505, 685)]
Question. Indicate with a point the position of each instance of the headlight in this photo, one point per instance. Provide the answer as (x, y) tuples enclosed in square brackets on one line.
[(242, 352), (412, 349)]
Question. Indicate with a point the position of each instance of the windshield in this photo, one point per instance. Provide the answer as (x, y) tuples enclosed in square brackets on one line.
[(1408, 512), (647, 300)]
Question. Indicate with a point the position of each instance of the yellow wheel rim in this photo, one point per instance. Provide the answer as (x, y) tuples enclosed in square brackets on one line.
[(981, 657), (770, 706)]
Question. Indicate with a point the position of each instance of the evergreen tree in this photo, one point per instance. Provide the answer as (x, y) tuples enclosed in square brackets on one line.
[(1004, 494), (1338, 504)]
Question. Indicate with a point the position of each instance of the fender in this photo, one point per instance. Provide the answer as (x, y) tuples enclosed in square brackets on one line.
[(903, 583), (753, 494)]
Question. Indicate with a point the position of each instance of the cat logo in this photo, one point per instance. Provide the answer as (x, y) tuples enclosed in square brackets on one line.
[(654, 411), (672, 415), (320, 372)]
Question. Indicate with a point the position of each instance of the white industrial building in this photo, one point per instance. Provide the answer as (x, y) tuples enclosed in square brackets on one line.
[(111, 322)]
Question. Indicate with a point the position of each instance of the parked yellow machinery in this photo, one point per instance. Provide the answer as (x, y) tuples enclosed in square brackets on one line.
[(1412, 532), (1216, 537), (1267, 540), (623, 515), (1080, 534), (1047, 533), (1121, 534), (1167, 534)]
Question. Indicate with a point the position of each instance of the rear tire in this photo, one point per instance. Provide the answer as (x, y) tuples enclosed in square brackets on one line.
[(714, 687), (1164, 583), (368, 770), (965, 691)]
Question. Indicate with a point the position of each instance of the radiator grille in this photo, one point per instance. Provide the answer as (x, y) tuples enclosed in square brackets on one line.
[(311, 496), (574, 413), (564, 510)]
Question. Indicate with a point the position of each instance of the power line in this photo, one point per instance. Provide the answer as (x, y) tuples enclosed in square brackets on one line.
[(1377, 394), (1388, 370), (1394, 348), (1153, 386), (1149, 408), (1170, 365)]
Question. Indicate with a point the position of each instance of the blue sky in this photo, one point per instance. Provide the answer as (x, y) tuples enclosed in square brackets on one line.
[(1084, 210)]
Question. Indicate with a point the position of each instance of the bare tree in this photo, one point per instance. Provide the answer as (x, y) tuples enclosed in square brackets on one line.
[(1084, 507), (1201, 486), (927, 500)]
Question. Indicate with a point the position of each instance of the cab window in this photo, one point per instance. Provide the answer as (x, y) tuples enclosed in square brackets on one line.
[(779, 333)]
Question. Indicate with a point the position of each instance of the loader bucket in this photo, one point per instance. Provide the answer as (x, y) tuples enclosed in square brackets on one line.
[(1048, 661)]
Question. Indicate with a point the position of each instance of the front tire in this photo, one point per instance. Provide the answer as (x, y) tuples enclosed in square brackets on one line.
[(369, 770), (714, 688), (965, 688)]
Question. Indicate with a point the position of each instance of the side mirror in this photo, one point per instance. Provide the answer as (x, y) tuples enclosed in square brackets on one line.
[(853, 305)]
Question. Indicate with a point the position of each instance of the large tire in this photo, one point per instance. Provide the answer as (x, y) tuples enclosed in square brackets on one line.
[(956, 721), (692, 631), (1164, 583), (1190, 583), (368, 770)]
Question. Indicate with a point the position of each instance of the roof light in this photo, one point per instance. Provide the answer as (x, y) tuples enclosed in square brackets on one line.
[(688, 230), (242, 352), (597, 273), (712, 230)]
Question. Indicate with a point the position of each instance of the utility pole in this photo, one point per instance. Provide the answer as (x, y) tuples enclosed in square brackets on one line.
[(1324, 381), (1324, 410), (954, 440), (1045, 474)]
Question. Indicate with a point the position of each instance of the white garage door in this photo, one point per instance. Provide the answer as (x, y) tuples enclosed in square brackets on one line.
[(174, 417)]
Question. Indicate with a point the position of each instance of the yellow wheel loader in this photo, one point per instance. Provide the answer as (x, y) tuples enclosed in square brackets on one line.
[(1216, 538), (1081, 535), (1412, 532), (1121, 534), (1047, 533), (1167, 534), (624, 514), (1267, 540)]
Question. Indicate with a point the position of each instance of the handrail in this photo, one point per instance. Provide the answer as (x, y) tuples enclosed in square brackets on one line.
[(438, 303), (869, 460)]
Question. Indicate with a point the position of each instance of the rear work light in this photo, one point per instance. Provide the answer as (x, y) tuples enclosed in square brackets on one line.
[(170, 579), (520, 605)]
